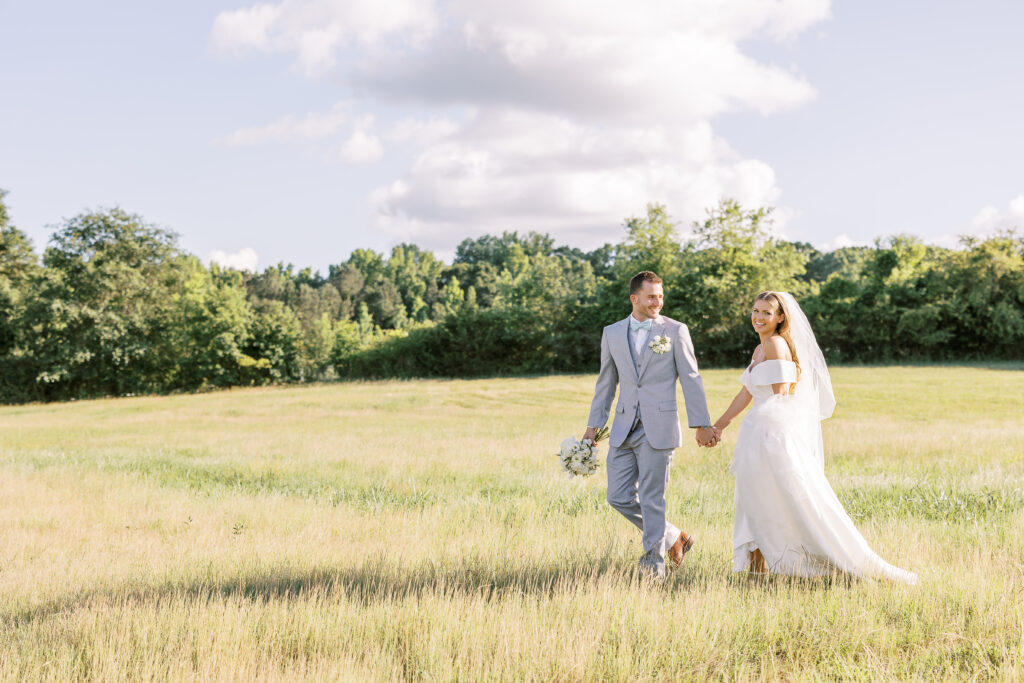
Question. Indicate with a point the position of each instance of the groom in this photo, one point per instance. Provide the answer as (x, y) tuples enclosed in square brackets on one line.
[(644, 355)]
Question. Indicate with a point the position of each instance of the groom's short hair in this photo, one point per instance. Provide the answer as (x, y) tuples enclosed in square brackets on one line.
[(637, 283)]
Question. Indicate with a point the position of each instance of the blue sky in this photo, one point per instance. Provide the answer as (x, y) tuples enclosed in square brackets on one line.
[(299, 130)]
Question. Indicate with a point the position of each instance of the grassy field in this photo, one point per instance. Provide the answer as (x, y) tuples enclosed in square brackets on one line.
[(421, 530)]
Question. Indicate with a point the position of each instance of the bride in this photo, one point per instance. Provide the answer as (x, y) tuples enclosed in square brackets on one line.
[(788, 518)]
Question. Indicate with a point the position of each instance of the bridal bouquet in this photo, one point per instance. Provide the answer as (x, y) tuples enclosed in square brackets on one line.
[(579, 458)]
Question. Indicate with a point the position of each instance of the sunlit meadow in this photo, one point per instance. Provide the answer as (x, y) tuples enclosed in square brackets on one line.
[(422, 530)]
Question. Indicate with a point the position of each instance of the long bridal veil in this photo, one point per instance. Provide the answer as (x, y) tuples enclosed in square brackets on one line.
[(814, 389)]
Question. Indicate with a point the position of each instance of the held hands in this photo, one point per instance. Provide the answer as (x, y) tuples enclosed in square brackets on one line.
[(708, 436)]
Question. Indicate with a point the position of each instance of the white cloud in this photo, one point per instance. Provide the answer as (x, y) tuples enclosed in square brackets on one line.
[(315, 31), (422, 132), (512, 170), (363, 146), (572, 115), (990, 219), (313, 126), (243, 259), (946, 241), (245, 28), (839, 242)]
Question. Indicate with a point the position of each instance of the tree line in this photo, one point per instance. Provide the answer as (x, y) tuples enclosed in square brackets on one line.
[(113, 306)]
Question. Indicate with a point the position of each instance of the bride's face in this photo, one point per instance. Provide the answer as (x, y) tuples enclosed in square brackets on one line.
[(765, 317)]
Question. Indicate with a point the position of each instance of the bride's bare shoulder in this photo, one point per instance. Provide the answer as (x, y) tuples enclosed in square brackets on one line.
[(776, 348)]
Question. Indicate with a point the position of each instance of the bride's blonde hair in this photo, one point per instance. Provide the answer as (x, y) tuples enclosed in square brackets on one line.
[(783, 329)]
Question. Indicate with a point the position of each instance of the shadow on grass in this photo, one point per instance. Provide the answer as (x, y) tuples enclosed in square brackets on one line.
[(376, 579), (380, 579)]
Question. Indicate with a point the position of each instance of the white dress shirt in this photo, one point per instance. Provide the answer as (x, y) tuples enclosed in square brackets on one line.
[(639, 337)]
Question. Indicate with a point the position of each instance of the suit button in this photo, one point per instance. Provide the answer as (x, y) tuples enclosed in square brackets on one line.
[(639, 386)]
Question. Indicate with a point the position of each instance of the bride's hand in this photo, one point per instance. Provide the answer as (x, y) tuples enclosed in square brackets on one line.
[(707, 437)]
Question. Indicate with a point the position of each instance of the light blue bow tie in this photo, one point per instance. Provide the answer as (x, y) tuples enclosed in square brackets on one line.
[(635, 324)]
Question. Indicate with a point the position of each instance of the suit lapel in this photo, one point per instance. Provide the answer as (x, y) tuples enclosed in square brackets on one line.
[(621, 338), (656, 330)]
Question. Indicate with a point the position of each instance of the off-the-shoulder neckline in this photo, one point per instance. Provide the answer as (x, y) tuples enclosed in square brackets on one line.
[(769, 360)]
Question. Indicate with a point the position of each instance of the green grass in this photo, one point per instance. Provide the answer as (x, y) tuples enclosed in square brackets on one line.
[(421, 530)]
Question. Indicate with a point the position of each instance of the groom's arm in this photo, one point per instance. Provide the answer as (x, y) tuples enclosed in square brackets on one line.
[(604, 390), (689, 379)]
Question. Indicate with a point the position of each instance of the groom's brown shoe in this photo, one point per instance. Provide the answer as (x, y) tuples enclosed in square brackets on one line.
[(680, 548)]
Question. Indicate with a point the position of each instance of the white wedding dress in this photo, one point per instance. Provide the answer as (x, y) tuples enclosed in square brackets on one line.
[(785, 506)]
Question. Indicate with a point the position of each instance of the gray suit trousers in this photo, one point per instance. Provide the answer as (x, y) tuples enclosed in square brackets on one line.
[(637, 478)]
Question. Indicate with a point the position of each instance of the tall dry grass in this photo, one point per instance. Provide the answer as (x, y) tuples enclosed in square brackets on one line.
[(421, 530)]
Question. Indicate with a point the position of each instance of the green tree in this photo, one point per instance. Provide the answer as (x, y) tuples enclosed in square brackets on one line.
[(364, 321), (102, 320), (987, 293), (385, 303), (368, 262), (415, 273), (211, 318), (731, 257), (846, 262), (480, 262), (452, 296), (275, 336), (470, 305), (498, 250), (19, 269), (274, 283), (652, 243), (349, 340), (318, 349), (311, 303), (348, 281)]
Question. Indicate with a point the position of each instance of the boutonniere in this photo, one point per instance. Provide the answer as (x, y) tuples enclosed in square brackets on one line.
[(660, 344)]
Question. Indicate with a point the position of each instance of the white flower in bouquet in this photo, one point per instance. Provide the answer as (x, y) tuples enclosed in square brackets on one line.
[(579, 458)]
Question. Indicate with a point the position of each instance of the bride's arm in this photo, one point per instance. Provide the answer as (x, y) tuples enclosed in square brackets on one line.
[(738, 405)]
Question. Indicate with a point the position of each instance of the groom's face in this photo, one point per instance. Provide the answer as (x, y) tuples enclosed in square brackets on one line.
[(648, 301)]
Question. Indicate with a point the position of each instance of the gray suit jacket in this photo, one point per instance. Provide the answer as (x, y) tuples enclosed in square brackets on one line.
[(651, 389)]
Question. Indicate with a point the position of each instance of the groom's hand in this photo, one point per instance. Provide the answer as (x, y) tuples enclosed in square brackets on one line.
[(708, 436), (589, 434)]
